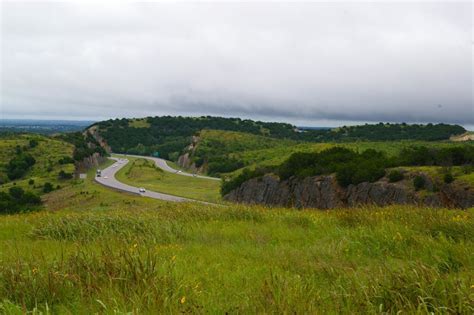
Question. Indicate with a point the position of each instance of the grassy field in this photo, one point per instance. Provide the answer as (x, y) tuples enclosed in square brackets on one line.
[(46, 154), (142, 172), (132, 254)]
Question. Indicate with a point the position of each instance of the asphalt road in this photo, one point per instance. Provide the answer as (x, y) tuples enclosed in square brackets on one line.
[(108, 179)]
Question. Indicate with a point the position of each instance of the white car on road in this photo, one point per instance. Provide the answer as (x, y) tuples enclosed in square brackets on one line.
[(142, 190)]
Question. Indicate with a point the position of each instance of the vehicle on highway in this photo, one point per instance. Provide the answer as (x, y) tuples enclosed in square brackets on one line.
[(141, 189), (98, 173)]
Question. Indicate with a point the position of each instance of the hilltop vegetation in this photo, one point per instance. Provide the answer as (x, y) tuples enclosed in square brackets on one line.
[(168, 135)]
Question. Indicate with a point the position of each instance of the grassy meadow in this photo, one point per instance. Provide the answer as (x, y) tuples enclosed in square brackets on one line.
[(144, 173), (144, 256), (93, 250)]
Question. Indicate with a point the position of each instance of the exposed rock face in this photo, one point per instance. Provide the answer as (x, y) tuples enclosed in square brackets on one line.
[(95, 133), (91, 161), (186, 162), (323, 192)]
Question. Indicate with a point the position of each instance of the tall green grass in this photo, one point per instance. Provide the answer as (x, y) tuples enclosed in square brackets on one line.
[(199, 259)]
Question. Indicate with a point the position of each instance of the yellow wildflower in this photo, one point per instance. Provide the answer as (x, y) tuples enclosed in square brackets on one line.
[(183, 299)]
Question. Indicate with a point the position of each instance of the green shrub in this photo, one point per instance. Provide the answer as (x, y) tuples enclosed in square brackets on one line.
[(419, 182), (33, 143), (47, 187), (31, 182), (448, 178), (395, 176), (66, 160), (19, 165), (63, 175), (17, 200)]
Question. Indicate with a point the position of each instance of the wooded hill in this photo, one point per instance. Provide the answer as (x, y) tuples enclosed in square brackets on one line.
[(170, 135)]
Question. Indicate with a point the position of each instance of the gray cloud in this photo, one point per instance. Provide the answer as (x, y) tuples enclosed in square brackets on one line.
[(307, 63)]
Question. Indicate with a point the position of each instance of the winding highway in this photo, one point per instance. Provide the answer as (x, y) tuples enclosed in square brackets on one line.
[(161, 163), (108, 179)]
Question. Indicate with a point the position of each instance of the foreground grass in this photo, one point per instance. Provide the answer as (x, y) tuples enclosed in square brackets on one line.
[(169, 258), (142, 172)]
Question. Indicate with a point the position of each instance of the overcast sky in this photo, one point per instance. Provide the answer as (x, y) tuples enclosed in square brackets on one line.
[(305, 63)]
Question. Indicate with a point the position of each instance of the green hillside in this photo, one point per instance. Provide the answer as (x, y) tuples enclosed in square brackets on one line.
[(51, 157), (226, 153), (168, 136)]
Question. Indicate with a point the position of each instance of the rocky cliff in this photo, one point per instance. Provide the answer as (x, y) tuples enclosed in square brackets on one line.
[(87, 163), (185, 160), (323, 192)]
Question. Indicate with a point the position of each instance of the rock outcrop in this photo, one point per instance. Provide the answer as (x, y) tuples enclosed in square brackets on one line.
[(91, 161), (323, 192), (185, 161)]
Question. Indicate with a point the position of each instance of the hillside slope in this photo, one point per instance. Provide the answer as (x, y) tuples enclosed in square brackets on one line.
[(51, 157), (168, 136)]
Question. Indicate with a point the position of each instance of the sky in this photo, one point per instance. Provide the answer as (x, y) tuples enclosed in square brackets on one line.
[(307, 63)]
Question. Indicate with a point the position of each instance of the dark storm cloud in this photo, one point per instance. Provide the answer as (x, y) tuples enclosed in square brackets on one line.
[(301, 62)]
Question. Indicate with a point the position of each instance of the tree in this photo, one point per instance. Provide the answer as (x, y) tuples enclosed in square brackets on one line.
[(448, 178), (419, 182), (47, 187), (33, 143)]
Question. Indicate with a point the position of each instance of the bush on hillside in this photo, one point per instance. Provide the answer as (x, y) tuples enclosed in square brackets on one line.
[(19, 165), (395, 176), (448, 178), (63, 175), (33, 143), (17, 200), (47, 187), (419, 182), (66, 160), (350, 167), (223, 165), (421, 155)]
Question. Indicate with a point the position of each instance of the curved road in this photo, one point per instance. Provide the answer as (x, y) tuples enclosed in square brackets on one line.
[(108, 179), (161, 163)]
